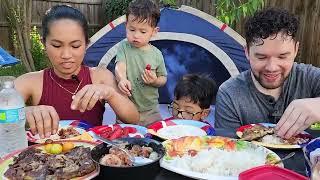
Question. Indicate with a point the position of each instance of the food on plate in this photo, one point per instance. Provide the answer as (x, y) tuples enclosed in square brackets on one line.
[(85, 137), (67, 146), (256, 132), (267, 135), (177, 131), (57, 148), (35, 164), (118, 158), (217, 156), (68, 133), (115, 131)]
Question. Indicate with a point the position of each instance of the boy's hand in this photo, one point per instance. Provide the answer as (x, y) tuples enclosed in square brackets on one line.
[(125, 86), (149, 77)]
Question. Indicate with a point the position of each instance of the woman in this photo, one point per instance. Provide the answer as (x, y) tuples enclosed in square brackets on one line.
[(69, 90)]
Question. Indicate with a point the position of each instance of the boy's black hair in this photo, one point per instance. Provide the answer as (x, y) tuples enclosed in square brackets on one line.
[(64, 12), (144, 10), (199, 88), (268, 22)]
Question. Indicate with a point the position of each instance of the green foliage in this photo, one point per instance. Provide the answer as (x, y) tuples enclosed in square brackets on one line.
[(15, 70), (230, 11), (170, 3), (37, 50), (116, 8)]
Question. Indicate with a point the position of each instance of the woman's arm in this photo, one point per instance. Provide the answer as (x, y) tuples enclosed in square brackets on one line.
[(42, 120), (119, 102)]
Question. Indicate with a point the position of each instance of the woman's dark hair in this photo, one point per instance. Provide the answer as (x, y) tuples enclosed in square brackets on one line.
[(63, 12), (268, 22), (200, 89), (144, 10)]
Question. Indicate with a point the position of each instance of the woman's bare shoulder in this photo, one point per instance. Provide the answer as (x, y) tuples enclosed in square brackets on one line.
[(33, 77), (30, 85)]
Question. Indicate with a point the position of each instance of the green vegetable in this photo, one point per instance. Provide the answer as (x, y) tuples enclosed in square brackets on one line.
[(241, 145)]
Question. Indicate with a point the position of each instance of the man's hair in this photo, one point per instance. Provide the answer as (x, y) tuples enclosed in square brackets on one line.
[(268, 22), (200, 89), (144, 10)]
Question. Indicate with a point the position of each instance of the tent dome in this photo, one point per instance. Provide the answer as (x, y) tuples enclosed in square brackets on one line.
[(191, 42)]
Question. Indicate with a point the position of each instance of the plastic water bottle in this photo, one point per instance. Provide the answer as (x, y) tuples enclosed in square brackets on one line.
[(12, 120)]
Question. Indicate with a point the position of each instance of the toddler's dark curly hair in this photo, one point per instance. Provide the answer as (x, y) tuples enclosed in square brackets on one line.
[(268, 22)]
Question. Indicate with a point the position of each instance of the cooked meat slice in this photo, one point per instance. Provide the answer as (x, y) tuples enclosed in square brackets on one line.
[(31, 164), (256, 132)]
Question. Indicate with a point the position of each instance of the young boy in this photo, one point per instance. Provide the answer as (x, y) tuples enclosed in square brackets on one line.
[(193, 96), (140, 68)]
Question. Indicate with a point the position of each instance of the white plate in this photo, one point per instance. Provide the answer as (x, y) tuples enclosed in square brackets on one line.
[(177, 131)]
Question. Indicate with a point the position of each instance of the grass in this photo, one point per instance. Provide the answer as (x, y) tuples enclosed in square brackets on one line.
[(15, 70)]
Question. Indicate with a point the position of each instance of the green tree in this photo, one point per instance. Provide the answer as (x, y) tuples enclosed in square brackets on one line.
[(230, 11)]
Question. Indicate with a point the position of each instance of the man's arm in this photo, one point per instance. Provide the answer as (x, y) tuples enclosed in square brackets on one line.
[(225, 113), (302, 113)]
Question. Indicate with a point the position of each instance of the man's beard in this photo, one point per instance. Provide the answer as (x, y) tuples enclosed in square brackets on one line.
[(269, 85)]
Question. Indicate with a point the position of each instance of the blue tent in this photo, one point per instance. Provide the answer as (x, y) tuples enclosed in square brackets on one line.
[(6, 59), (190, 40)]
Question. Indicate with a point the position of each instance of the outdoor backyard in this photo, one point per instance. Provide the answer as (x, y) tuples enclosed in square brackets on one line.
[(20, 24)]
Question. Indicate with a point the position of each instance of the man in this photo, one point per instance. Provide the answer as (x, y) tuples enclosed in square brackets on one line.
[(275, 89)]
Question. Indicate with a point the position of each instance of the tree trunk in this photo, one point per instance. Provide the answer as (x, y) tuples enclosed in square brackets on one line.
[(19, 14)]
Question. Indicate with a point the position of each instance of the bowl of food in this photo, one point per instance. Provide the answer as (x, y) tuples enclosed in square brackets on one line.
[(115, 164)]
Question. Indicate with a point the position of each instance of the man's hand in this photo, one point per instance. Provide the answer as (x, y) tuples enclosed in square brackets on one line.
[(125, 86), (149, 77), (89, 95), (42, 119), (299, 115)]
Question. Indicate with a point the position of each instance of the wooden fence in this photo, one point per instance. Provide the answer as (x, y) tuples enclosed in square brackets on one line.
[(90, 8), (308, 12)]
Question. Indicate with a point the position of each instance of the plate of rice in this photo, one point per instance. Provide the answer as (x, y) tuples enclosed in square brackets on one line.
[(214, 157), (263, 134)]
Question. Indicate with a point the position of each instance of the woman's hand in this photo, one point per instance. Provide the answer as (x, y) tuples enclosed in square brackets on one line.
[(125, 86), (42, 119), (89, 95)]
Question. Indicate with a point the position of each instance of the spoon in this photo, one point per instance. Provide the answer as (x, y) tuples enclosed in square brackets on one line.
[(285, 158), (137, 160)]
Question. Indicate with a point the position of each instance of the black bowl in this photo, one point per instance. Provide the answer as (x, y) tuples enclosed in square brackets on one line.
[(146, 171)]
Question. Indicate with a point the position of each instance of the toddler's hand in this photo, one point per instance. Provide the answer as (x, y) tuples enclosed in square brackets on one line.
[(149, 77), (125, 86)]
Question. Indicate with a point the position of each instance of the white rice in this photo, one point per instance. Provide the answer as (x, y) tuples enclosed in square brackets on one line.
[(272, 139), (177, 131), (221, 163)]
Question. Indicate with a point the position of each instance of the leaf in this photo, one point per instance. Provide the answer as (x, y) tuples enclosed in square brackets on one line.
[(244, 10)]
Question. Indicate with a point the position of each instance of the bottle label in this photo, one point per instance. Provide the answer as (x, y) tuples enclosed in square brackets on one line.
[(12, 115)]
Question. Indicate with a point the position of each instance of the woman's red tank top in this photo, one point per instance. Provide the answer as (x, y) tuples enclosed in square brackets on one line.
[(59, 97)]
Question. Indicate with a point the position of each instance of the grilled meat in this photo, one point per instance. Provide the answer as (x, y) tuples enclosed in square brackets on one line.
[(256, 132), (33, 164)]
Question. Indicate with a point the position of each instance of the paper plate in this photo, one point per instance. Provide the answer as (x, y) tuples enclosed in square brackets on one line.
[(184, 128), (8, 159), (270, 172), (240, 130), (80, 126), (107, 130), (178, 148)]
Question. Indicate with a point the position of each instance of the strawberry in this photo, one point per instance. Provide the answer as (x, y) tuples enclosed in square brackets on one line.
[(148, 67)]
